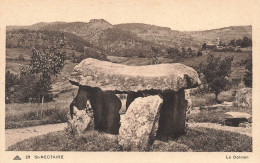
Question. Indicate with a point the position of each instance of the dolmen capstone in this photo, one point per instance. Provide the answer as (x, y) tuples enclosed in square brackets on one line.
[(155, 93)]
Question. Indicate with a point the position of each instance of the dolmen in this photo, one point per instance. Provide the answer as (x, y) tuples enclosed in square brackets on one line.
[(155, 101)]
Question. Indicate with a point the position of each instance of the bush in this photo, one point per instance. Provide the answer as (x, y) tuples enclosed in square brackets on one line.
[(199, 53), (11, 81)]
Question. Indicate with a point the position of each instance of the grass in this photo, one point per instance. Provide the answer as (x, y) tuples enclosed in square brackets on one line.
[(25, 115), (15, 52), (211, 140), (215, 116), (196, 139), (209, 98)]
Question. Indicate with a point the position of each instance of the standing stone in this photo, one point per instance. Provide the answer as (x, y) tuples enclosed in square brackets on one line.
[(173, 113), (79, 123), (140, 123)]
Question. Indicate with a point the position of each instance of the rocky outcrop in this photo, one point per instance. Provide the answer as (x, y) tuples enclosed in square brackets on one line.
[(243, 97), (140, 123), (117, 77)]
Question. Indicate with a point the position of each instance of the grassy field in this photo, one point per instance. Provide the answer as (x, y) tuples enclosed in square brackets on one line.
[(25, 115), (203, 99), (197, 139), (12, 53), (219, 114)]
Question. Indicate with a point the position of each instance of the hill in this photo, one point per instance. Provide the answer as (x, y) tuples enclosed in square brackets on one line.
[(224, 34), (100, 33), (159, 35), (135, 39), (24, 38)]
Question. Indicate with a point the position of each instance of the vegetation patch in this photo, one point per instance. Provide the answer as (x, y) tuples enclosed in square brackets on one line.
[(215, 116), (197, 139), (25, 115)]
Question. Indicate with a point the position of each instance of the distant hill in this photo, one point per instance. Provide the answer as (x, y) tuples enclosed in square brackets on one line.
[(24, 38), (100, 33), (159, 35), (224, 34), (135, 39)]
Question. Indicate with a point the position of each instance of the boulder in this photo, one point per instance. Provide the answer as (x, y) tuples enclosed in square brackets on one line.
[(140, 123), (79, 123), (244, 97), (238, 115), (236, 118), (122, 78)]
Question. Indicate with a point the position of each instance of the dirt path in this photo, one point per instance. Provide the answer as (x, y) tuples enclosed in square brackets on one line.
[(241, 130), (13, 136)]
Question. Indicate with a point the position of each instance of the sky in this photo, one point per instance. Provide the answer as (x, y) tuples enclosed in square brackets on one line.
[(183, 15)]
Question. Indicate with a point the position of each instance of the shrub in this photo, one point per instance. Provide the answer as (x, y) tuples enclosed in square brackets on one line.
[(11, 81), (199, 53)]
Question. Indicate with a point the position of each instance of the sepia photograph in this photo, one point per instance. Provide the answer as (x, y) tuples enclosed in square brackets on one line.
[(111, 76)]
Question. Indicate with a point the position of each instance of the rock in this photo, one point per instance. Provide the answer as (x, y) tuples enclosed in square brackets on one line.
[(121, 78), (79, 123), (245, 125), (238, 115), (170, 146), (227, 103), (236, 118), (195, 110), (243, 98), (140, 123), (105, 106)]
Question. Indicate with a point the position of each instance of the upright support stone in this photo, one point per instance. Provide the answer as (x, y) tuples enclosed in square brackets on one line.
[(105, 105), (173, 113), (140, 123)]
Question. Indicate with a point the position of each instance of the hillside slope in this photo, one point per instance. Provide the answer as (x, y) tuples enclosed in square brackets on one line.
[(135, 39), (25, 38), (159, 35), (224, 34), (100, 33)]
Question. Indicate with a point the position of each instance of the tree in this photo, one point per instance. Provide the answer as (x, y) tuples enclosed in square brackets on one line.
[(233, 42), (153, 55), (189, 51), (45, 63), (204, 46), (216, 72), (199, 53), (248, 74), (246, 42), (11, 81), (183, 51)]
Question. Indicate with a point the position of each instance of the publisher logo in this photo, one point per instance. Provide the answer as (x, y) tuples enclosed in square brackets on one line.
[(17, 158)]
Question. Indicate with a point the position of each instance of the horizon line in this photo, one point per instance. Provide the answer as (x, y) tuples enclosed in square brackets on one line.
[(199, 30)]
